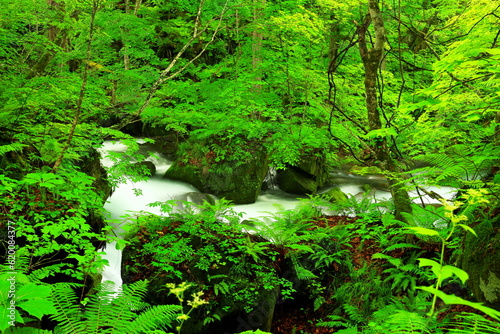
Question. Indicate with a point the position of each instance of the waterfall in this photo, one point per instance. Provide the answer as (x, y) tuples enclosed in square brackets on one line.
[(271, 179)]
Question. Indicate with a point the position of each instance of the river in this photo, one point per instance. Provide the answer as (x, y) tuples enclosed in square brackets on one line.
[(125, 200)]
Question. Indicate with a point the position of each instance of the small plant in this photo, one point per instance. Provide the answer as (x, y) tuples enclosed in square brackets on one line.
[(110, 312), (178, 291), (443, 272), (30, 298)]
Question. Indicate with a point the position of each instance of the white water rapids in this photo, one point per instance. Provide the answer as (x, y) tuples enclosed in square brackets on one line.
[(124, 200)]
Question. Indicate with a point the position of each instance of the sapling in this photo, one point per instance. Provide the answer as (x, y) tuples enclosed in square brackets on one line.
[(443, 272)]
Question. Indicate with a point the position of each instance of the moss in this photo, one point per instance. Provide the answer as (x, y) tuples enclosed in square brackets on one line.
[(335, 195), (237, 182), (481, 260), (296, 182)]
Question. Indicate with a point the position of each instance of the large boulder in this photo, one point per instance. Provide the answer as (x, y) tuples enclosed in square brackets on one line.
[(146, 167), (481, 260), (314, 165), (239, 182), (306, 176), (294, 181)]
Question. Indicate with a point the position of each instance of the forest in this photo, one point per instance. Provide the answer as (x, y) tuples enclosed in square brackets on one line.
[(243, 97)]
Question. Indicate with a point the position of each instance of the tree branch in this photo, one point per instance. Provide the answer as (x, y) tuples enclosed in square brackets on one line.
[(164, 74)]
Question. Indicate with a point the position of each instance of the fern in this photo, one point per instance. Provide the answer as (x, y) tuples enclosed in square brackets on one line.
[(471, 323), (460, 165), (107, 313), (404, 322), (334, 321), (10, 148), (354, 313)]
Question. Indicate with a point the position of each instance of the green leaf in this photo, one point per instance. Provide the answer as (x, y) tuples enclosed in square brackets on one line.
[(31, 291), (436, 267), (448, 271), (385, 132), (38, 307), (468, 228), (452, 299), (424, 231)]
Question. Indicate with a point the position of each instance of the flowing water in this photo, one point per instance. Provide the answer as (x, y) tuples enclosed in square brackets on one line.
[(124, 199)]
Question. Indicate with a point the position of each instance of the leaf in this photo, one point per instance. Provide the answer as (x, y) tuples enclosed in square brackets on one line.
[(468, 228), (424, 231), (38, 307), (436, 267), (385, 132), (32, 291), (452, 299), (448, 271)]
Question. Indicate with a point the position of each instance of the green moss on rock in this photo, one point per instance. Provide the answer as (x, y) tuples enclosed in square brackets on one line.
[(239, 182), (481, 260), (296, 182)]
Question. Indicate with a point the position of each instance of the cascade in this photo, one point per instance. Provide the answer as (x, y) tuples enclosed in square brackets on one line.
[(125, 199), (271, 179)]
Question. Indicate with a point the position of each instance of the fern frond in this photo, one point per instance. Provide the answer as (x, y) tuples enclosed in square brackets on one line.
[(471, 323), (118, 314), (302, 273), (159, 316), (10, 148), (334, 322), (68, 314), (404, 322), (354, 313)]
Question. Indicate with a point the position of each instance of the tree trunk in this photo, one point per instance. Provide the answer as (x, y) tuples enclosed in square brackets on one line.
[(257, 51), (372, 59)]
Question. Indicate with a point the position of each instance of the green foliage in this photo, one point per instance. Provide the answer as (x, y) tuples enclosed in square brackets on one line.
[(26, 330), (31, 298), (235, 266), (106, 312)]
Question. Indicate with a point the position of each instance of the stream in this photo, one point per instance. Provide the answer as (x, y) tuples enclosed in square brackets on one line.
[(124, 199)]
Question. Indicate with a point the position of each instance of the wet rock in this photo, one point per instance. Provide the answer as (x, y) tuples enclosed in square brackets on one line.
[(235, 181), (306, 177), (335, 195), (481, 260), (295, 181), (147, 167)]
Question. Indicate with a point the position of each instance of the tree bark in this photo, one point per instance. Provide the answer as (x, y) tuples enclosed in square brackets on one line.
[(372, 59)]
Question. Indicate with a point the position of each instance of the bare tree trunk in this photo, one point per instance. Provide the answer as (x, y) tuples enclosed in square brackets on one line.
[(372, 59)]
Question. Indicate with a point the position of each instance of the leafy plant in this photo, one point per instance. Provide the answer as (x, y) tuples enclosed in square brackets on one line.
[(442, 271), (18, 293), (110, 312)]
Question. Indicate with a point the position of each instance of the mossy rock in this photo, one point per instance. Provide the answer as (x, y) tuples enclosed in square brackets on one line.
[(237, 182), (295, 181), (335, 195), (314, 165), (147, 167), (185, 173), (481, 260)]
